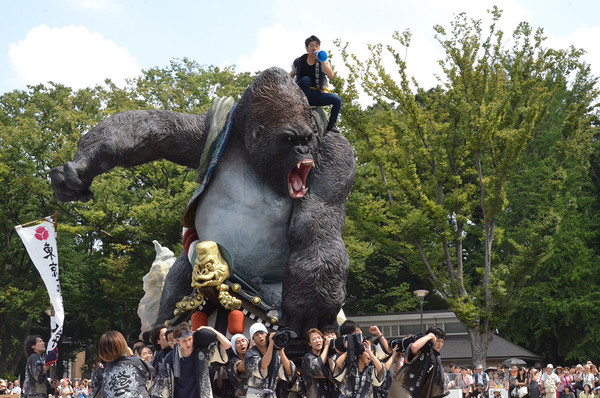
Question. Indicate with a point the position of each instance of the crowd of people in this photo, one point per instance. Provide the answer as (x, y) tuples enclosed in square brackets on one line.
[(580, 381), (336, 362), (181, 362), (64, 388)]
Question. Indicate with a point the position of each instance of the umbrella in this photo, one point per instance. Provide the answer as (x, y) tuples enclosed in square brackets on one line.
[(514, 362)]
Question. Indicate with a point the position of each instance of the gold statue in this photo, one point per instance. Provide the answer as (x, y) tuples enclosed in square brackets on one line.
[(210, 270)]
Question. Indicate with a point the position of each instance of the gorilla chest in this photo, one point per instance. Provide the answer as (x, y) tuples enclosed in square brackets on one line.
[(241, 212)]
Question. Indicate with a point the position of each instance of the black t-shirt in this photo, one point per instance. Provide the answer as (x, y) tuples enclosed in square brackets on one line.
[(307, 70), (302, 68), (185, 384)]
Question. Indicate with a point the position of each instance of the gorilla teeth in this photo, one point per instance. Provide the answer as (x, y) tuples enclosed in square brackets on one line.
[(297, 178)]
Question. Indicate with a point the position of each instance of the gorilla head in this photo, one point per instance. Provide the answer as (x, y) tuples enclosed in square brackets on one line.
[(273, 116)]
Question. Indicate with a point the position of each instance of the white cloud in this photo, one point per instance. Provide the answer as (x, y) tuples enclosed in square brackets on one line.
[(71, 55), (585, 38), (274, 49)]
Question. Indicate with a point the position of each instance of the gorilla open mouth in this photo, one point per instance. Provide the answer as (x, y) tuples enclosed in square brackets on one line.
[(297, 178)]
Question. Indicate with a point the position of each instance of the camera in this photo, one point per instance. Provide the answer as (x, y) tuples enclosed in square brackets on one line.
[(352, 343)]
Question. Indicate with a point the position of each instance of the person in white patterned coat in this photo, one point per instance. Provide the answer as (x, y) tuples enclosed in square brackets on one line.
[(185, 370), (264, 363)]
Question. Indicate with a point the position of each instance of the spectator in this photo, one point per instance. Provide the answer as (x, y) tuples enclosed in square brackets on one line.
[(316, 369), (81, 390), (568, 392), (578, 379), (502, 379), (560, 388), (587, 377), (549, 382), (124, 375), (535, 389), (16, 388), (481, 377), (65, 390), (264, 363), (36, 380), (478, 392), (468, 381), (185, 371), (522, 378), (512, 379), (3, 387), (587, 391)]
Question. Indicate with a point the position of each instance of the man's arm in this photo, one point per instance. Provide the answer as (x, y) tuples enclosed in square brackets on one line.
[(390, 361), (378, 365), (325, 350), (294, 68), (285, 362), (327, 69), (379, 336), (266, 359), (340, 362), (417, 345), (223, 341)]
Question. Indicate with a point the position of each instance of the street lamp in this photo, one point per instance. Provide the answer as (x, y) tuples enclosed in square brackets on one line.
[(421, 293)]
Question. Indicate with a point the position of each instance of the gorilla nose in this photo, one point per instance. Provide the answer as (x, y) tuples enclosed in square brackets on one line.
[(302, 150)]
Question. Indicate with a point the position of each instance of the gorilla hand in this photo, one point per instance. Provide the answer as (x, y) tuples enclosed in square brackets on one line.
[(71, 181), (67, 185)]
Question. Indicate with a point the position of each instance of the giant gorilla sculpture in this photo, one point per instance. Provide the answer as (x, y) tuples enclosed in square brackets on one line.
[(275, 199)]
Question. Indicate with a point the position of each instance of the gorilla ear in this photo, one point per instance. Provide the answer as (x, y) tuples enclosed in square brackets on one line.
[(257, 132)]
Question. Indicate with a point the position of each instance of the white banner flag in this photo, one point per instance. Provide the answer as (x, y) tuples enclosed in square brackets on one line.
[(40, 242)]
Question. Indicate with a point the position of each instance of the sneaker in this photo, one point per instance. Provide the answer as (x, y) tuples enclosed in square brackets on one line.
[(333, 128)]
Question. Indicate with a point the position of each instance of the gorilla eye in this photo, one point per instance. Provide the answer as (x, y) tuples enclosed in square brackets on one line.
[(289, 138)]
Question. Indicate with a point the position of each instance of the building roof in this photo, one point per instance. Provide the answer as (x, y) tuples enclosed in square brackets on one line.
[(458, 348)]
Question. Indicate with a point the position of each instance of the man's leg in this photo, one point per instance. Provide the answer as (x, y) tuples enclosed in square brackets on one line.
[(317, 99), (304, 84), (336, 103)]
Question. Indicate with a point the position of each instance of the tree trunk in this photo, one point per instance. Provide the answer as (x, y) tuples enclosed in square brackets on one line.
[(480, 341), (19, 354)]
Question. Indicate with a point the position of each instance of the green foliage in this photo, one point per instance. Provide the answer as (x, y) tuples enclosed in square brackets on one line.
[(105, 245), (441, 172)]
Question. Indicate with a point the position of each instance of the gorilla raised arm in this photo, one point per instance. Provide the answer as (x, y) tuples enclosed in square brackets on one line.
[(129, 139)]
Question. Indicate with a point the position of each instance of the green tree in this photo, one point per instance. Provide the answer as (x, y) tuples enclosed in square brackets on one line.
[(104, 245), (440, 161), (552, 222)]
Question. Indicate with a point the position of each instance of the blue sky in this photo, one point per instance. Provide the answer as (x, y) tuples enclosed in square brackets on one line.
[(82, 42)]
